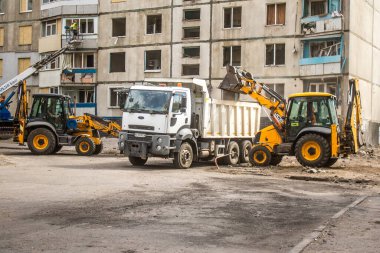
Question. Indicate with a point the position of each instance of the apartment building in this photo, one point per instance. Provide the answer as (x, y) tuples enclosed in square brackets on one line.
[(291, 45), (74, 73), (19, 33)]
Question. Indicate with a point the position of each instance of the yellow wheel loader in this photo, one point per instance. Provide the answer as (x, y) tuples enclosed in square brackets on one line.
[(306, 125)]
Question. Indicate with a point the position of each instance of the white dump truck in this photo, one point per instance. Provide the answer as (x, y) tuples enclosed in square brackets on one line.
[(177, 118)]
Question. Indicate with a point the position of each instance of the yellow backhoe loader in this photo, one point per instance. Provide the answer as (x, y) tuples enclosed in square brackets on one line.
[(306, 125)]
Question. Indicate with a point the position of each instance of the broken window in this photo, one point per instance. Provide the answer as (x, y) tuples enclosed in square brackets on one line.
[(191, 32), (154, 24), (89, 61), (232, 56), (190, 69), (191, 52), (232, 17), (86, 96), (276, 14), (114, 98), (324, 48), (153, 60), (53, 64), (192, 14), (275, 54), (317, 7), (117, 62), (118, 27)]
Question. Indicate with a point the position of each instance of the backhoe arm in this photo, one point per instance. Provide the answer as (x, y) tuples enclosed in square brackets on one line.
[(239, 81), (353, 123), (89, 121)]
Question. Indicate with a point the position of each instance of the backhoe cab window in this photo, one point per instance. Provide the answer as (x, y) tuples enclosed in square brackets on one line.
[(146, 101), (311, 112)]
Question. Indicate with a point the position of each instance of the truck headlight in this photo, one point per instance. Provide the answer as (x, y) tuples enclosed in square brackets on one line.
[(123, 137), (158, 148), (159, 140)]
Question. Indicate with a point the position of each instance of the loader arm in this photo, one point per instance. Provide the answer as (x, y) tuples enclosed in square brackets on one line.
[(89, 121), (352, 132), (239, 81)]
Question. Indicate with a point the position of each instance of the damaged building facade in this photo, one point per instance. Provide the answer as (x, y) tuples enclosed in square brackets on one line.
[(291, 45), (73, 73)]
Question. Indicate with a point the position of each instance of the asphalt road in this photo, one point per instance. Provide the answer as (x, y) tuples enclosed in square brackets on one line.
[(67, 203)]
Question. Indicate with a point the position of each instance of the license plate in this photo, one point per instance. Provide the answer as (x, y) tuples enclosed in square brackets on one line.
[(140, 135)]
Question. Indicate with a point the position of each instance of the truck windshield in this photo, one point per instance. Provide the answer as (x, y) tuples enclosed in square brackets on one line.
[(148, 101)]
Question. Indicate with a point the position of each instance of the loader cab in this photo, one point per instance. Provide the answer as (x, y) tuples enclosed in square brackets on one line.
[(312, 111), (51, 108)]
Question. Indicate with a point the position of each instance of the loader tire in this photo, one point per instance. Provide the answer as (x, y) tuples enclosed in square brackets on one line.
[(260, 156), (276, 160), (57, 149), (245, 147), (41, 141), (312, 150), (184, 157), (137, 161), (85, 146), (98, 149), (331, 162)]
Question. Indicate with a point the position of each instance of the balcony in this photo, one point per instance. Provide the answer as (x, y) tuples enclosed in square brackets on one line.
[(49, 43), (82, 76), (321, 17), (322, 57), (69, 7)]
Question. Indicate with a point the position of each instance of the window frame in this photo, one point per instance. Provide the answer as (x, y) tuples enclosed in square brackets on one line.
[(191, 20), (274, 55), (191, 38), (125, 28), (45, 26), (326, 7), (26, 4), (109, 97), (110, 62), (155, 26), (145, 62), (275, 14), (231, 55), (232, 17), (195, 64), (2, 12), (191, 47)]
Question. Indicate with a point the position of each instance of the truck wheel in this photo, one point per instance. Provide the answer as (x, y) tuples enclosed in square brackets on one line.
[(184, 158), (57, 149), (41, 141), (98, 149), (137, 161), (276, 160), (85, 146), (245, 147), (234, 151), (260, 156), (312, 150), (331, 162)]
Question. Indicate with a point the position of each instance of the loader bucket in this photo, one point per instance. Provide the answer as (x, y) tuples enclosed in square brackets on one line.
[(231, 82)]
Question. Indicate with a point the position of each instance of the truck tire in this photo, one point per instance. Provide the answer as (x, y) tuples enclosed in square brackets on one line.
[(276, 160), (234, 151), (184, 158), (245, 147), (41, 141), (57, 149), (331, 162), (137, 161), (313, 150), (260, 156), (85, 146), (98, 149)]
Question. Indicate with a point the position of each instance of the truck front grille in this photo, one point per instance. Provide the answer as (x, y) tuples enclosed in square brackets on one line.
[(140, 127), (132, 137)]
